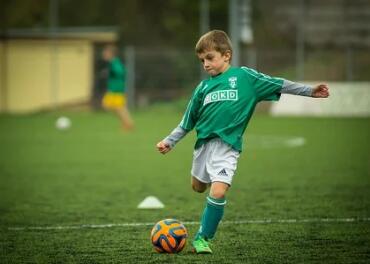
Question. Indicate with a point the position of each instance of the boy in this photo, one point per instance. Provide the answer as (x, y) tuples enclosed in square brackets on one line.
[(115, 99), (219, 110)]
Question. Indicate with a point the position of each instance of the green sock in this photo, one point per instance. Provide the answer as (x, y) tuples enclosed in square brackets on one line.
[(212, 215)]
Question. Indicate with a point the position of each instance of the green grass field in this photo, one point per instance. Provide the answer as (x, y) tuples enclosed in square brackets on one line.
[(93, 174)]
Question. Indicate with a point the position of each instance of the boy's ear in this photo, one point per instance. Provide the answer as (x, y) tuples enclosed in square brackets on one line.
[(227, 56)]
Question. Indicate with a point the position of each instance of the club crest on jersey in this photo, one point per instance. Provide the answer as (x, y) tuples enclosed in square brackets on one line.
[(223, 95), (232, 82)]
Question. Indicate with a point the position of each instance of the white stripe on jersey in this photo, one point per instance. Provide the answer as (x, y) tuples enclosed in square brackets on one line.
[(265, 77)]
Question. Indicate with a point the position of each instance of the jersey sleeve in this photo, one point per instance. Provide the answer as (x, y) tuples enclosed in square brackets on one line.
[(267, 88), (191, 115)]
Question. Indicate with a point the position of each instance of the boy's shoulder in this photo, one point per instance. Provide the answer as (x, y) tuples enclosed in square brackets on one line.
[(247, 70), (242, 71)]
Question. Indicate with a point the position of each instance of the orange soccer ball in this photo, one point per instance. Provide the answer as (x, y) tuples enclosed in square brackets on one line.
[(169, 236)]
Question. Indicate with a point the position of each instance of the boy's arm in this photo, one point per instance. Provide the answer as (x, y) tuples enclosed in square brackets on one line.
[(318, 91), (270, 88), (171, 140), (176, 135), (187, 123)]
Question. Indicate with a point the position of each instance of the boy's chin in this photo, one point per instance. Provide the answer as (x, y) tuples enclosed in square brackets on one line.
[(213, 73)]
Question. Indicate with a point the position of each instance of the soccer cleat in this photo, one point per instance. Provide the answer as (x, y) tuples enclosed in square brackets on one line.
[(201, 246)]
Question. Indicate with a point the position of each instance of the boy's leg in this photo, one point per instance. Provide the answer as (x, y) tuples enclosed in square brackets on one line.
[(212, 215), (214, 210), (198, 186), (125, 118), (218, 190), (213, 162)]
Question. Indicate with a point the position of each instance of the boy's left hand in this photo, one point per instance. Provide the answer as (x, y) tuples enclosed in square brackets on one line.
[(320, 91)]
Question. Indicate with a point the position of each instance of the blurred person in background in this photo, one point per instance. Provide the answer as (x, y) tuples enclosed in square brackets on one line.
[(115, 97)]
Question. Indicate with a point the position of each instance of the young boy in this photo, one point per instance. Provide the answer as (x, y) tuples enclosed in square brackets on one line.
[(220, 109), (115, 99)]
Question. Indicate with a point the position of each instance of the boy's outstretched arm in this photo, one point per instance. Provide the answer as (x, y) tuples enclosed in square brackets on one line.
[(171, 140), (318, 91)]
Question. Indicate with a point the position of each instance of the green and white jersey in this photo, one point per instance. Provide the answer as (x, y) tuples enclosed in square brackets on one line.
[(222, 106)]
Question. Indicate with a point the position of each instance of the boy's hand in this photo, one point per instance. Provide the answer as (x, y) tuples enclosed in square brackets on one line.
[(163, 147), (320, 91)]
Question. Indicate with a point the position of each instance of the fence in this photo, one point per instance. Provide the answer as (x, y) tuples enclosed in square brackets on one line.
[(164, 74)]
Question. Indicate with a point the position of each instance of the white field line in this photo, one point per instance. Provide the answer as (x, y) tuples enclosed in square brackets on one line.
[(236, 222)]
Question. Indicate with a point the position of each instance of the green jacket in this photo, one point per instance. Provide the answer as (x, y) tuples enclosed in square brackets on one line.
[(117, 76)]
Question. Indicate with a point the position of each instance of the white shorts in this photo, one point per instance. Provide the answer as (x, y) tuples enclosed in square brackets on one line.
[(215, 161)]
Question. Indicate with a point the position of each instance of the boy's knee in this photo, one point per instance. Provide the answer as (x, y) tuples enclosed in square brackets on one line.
[(199, 188), (218, 194), (218, 190)]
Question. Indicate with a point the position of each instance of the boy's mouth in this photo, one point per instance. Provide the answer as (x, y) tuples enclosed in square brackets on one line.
[(212, 72)]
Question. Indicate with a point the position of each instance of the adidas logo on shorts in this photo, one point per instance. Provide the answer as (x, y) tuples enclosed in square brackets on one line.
[(223, 173)]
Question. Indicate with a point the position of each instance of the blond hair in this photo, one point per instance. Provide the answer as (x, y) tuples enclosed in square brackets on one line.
[(214, 40)]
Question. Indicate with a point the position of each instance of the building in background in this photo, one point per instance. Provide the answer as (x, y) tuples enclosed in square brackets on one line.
[(39, 72)]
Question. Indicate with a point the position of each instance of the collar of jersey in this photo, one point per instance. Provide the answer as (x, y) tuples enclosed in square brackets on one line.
[(217, 76)]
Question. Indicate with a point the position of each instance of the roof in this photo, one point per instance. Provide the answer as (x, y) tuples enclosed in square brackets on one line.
[(95, 34)]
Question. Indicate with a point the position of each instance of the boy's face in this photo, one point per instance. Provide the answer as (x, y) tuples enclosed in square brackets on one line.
[(107, 54), (214, 62)]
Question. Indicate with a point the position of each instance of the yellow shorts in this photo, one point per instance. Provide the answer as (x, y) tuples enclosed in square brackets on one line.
[(114, 100)]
